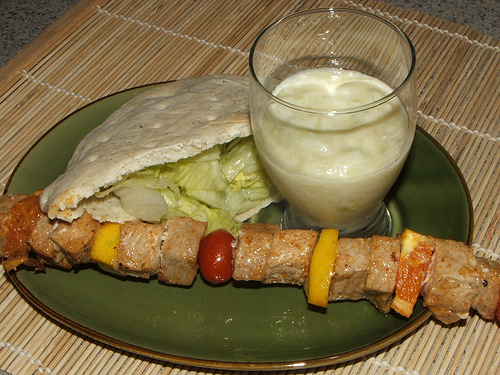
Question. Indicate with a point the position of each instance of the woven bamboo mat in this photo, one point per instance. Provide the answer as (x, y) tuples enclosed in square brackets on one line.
[(104, 46)]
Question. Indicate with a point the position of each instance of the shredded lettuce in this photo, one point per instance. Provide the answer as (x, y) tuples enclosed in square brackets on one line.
[(214, 186)]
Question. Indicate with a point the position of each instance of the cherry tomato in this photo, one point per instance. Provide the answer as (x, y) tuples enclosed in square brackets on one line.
[(215, 257)]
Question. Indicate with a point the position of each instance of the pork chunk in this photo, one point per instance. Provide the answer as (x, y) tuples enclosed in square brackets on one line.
[(15, 254), (351, 266), (139, 250), (6, 202), (252, 250), (486, 300), (290, 256), (179, 251), (452, 281), (382, 271), (44, 247), (76, 238)]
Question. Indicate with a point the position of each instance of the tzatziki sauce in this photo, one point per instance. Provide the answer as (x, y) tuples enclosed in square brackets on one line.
[(338, 148)]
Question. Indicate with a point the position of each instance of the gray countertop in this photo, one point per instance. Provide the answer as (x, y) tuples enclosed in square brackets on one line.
[(23, 20)]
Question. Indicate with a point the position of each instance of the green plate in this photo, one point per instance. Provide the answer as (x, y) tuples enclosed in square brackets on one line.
[(237, 325)]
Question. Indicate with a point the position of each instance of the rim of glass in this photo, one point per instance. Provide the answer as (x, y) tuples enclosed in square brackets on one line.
[(395, 92)]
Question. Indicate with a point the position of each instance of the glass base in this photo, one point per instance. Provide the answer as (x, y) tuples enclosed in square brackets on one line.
[(381, 224)]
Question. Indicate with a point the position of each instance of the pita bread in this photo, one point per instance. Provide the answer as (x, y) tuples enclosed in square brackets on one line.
[(165, 124)]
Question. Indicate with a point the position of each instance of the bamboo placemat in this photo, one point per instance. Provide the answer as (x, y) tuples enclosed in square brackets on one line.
[(101, 47)]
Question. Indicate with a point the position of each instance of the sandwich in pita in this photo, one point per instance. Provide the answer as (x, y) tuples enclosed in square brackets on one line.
[(183, 148)]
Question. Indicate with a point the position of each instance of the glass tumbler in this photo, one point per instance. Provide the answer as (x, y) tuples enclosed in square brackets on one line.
[(333, 112)]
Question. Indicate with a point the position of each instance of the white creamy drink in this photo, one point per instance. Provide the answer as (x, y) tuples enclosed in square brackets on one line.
[(334, 165)]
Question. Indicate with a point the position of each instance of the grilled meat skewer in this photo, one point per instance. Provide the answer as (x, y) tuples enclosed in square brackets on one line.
[(454, 281)]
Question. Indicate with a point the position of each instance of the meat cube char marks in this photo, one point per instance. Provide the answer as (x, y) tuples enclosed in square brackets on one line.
[(64, 244), (486, 300), (18, 219), (6, 203), (290, 256), (455, 282), (179, 251), (252, 250), (168, 250), (452, 281), (75, 239), (41, 244), (269, 255), (351, 266), (139, 250), (273, 256), (366, 268), (382, 271)]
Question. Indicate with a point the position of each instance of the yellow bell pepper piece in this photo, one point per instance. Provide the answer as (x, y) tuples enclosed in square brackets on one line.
[(106, 243), (321, 268)]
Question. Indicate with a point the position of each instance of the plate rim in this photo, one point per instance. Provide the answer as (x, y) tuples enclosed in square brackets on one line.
[(380, 344)]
